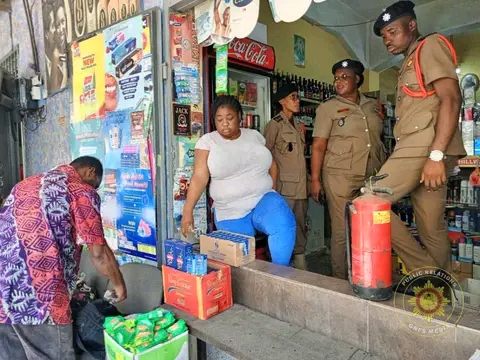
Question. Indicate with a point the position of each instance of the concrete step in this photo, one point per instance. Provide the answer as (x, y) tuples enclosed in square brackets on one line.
[(245, 334), (328, 306)]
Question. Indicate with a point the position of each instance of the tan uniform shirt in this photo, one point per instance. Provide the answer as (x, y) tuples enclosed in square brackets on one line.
[(416, 116), (287, 144), (353, 132)]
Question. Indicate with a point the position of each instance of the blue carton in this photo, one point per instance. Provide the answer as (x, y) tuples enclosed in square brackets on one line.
[(176, 253)]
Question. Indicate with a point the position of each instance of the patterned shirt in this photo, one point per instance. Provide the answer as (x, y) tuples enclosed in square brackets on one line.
[(43, 224)]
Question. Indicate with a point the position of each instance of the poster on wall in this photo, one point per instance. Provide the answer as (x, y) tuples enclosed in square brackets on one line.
[(123, 64), (136, 213), (65, 21), (109, 208), (112, 96), (116, 134), (186, 150), (88, 79), (86, 139), (185, 55)]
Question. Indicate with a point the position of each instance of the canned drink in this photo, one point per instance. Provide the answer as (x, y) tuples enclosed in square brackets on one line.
[(249, 121), (256, 122)]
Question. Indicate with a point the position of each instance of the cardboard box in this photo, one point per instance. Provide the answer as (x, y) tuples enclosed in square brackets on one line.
[(469, 294), (226, 251), (200, 296), (175, 349), (176, 252), (462, 269), (476, 271)]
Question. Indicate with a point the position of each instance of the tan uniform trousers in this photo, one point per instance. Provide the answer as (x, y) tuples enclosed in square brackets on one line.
[(299, 208), (429, 208), (339, 189)]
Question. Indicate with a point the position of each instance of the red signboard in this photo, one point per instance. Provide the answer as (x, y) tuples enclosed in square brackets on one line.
[(253, 53)]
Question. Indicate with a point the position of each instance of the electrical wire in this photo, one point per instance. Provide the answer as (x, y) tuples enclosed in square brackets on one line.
[(10, 17), (31, 30)]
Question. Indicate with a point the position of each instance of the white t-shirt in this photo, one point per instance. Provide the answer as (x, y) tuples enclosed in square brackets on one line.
[(238, 170)]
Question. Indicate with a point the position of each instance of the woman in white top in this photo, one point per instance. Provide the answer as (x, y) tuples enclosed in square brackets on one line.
[(241, 169)]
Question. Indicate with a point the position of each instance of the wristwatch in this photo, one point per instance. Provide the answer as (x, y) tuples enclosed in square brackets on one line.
[(436, 155)]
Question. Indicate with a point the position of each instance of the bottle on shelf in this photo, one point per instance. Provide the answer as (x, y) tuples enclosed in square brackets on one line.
[(301, 91)]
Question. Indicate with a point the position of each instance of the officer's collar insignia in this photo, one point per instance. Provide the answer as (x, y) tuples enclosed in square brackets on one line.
[(386, 17), (410, 62)]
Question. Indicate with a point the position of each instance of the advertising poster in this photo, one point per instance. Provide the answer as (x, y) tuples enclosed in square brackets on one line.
[(116, 135), (181, 183), (137, 121), (123, 45), (182, 120), (186, 150), (136, 213), (86, 139), (88, 79), (109, 207), (185, 57)]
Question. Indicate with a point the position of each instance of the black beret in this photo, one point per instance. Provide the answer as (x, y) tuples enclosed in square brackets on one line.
[(354, 65), (285, 90), (393, 12)]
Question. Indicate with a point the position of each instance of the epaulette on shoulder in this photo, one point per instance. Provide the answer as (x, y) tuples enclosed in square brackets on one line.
[(330, 98), (277, 118), (370, 97)]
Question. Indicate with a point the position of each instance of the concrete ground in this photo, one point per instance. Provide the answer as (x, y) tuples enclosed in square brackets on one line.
[(319, 262)]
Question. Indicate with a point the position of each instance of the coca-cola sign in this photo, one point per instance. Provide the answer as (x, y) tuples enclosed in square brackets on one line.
[(252, 52)]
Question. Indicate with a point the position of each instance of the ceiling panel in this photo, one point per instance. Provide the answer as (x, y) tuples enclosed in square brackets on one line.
[(349, 19)]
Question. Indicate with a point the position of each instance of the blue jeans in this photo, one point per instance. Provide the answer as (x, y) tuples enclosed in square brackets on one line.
[(273, 217)]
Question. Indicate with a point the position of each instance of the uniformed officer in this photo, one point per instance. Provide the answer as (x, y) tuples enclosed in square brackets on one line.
[(286, 140), (428, 140), (347, 147)]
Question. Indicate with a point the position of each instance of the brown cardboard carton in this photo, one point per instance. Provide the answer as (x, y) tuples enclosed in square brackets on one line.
[(226, 251)]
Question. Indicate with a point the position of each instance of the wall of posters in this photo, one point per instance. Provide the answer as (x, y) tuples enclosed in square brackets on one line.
[(65, 21), (187, 111), (112, 97)]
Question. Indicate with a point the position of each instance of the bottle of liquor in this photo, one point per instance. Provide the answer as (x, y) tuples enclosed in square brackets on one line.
[(275, 82), (300, 88), (310, 89)]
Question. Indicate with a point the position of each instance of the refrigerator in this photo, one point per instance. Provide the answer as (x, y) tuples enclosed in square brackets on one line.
[(117, 112), (250, 72)]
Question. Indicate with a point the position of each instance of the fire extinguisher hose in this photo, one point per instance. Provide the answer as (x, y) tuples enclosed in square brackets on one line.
[(348, 237)]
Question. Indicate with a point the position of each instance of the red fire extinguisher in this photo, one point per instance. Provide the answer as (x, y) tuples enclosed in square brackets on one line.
[(369, 243)]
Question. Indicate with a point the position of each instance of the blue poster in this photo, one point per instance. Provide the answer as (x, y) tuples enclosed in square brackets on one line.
[(86, 139), (117, 135), (136, 213), (124, 78)]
